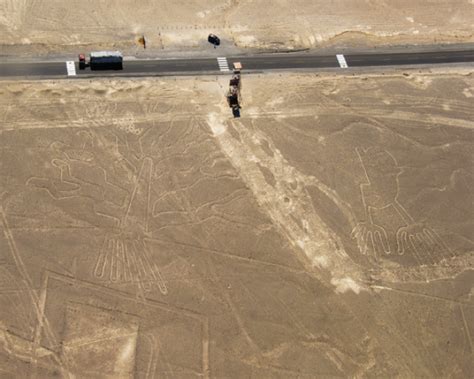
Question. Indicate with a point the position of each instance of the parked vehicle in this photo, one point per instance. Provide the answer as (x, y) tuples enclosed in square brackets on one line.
[(233, 94), (215, 40)]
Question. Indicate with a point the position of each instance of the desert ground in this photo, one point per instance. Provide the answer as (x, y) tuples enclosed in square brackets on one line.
[(45, 27), (326, 233)]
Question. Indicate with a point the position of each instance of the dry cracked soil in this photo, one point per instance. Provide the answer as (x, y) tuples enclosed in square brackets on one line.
[(326, 233)]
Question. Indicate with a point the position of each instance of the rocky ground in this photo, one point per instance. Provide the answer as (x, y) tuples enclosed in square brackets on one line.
[(327, 232), (53, 27)]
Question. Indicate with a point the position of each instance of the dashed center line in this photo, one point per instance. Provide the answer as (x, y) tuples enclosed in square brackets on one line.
[(342, 61), (223, 65), (71, 68)]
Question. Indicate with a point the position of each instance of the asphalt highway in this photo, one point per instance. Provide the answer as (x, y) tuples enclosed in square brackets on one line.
[(286, 61)]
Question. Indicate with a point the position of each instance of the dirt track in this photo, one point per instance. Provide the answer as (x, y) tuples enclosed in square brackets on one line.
[(328, 232)]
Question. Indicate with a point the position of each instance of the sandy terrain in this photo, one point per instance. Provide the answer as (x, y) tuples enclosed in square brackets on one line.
[(45, 26), (328, 232)]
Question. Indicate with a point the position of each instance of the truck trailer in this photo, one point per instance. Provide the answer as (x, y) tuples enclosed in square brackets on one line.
[(102, 60), (233, 94)]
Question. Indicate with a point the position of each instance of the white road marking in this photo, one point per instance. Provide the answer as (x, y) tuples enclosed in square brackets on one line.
[(342, 61), (223, 65), (71, 68)]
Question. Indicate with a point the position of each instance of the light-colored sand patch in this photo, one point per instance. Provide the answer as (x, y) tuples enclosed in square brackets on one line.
[(467, 92), (257, 24), (286, 201), (246, 40), (346, 284)]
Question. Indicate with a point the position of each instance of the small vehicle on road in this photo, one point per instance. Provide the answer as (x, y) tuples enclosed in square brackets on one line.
[(215, 40)]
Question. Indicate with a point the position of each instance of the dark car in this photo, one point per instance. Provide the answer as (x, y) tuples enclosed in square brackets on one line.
[(214, 39)]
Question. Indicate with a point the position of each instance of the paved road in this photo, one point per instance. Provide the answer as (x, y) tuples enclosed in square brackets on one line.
[(253, 63)]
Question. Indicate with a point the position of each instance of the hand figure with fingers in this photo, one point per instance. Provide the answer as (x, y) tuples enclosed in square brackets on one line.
[(424, 243), (371, 239), (381, 191), (376, 193)]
